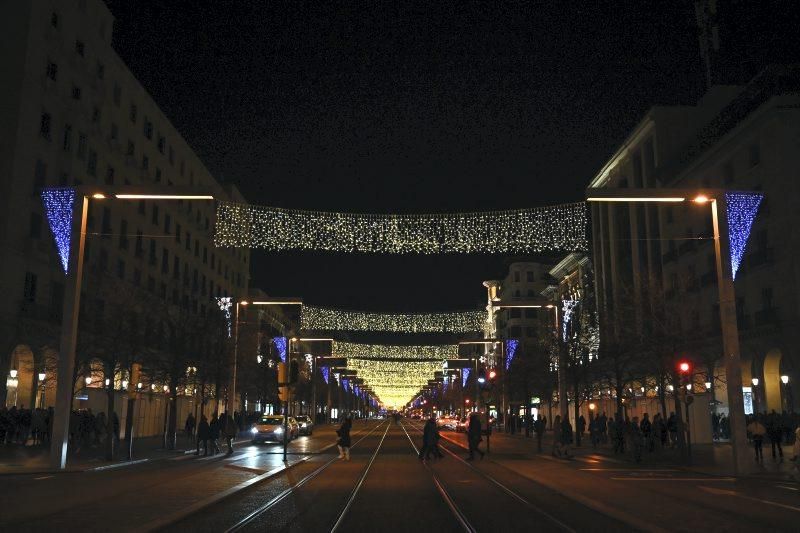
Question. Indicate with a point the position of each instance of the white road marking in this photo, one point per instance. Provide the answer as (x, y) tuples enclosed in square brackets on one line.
[(723, 492), (787, 488), (673, 479), (627, 470), (43, 477)]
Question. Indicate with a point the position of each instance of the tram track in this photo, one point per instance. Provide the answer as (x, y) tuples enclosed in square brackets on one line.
[(498, 484)]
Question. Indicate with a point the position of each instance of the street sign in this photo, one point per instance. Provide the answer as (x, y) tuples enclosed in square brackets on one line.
[(332, 361), (459, 363)]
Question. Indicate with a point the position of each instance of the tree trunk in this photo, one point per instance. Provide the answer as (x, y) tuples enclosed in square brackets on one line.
[(110, 424), (172, 426), (681, 437)]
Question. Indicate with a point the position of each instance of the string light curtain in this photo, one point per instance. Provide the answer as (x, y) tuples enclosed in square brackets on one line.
[(58, 206), (438, 352), (327, 319), (741, 213), (560, 228)]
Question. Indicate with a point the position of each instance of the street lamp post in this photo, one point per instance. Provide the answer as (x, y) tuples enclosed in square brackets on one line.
[(727, 300), (73, 262)]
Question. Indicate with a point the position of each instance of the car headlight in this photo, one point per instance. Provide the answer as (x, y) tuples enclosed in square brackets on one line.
[(302, 425), (253, 430), (279, 429)]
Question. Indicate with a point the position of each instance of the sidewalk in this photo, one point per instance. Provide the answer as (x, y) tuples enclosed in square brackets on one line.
[(712, 459), (31, 459)]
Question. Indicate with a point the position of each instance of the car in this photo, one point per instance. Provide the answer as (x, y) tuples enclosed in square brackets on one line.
[(306, 424), (269, 429), (447, 422), (462, 424)]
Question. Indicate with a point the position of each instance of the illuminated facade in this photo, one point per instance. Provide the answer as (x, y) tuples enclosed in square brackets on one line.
[(662, 255), (75, 115)]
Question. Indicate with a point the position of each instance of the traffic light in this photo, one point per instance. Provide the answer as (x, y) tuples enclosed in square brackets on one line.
[(684, 367), (294, 371), (283, 389), (481, 375), (492, 374)]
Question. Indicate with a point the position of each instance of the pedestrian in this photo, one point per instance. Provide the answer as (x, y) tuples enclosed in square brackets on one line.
[(603, 425), (203, 433), (189, 426), (757, 432), (558, 435), (230, 429), (343, 443), (672, 428), (647, 432), (474, 436), (213, 434), (636, 438), (594, 430), (539, 427), (775, 434), (580, 427), (566, 436), (427, 438)]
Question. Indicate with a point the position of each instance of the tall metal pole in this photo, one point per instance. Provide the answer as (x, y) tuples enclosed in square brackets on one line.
[(313, 390), (232, 387), (730, 336), (69, 337)]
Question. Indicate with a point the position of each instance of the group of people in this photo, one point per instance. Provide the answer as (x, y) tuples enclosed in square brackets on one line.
[(209, 432), (778, 428), (19, 425)]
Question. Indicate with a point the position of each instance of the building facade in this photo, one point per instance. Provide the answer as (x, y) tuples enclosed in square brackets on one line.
[(75, 115), (661, 256)]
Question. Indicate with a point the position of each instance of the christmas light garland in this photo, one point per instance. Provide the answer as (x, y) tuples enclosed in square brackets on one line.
[(394, 383), (511, 350), (388, 351), (225, 303), (567, 307), (280, 347), (315, 318), (741, 213), (58, 206), (559, 228)]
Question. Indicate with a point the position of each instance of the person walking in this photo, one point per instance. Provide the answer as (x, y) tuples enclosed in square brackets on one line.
[(636, 438), (213, 434), (203, 433), (539, 427), (474, 436), (757, 431), (775, 434), (229, 428), (343, 443), (580, 427), (647, 432), (188, 428)]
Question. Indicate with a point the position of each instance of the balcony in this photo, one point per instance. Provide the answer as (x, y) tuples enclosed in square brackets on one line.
[(766, 317)]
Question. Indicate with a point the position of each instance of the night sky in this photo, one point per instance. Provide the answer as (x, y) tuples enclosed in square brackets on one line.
[(421, 106)]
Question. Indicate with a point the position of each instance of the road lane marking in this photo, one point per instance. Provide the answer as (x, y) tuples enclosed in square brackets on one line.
[(627, 470), (117, 465), (673, 479), (43, 477), (787, 488), (246, 469), (723, 492)]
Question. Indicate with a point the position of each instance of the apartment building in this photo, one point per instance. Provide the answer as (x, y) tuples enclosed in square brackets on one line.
[(735, 138), (75, 115)]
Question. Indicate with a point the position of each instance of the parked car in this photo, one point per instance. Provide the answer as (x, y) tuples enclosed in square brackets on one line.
[(306, 424)]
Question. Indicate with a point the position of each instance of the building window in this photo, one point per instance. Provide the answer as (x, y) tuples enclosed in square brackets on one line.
[(137, 277), (110, 175), (67, 143), (167, 223), (131, 149), (516, 312), (148, 128), (39, 176), (133, 113), (151, 284), (141, 207), (188, 241), (154, 215), (52, 70), (54, 19), (44, 126), (91, 166), (123, 235), (529, 276), (177, 232), (29, 292), (36, 226), (516, 276), (80, 48), (95, 115), (165, 261), (755, 154), (76, 92), (120, 269), (162, 142), (145, 162), (139, 250), (101, 71), (766, 298), (106, 229), (114, 132), (171, 156), (176, 267), (117, 95), (82, 140)]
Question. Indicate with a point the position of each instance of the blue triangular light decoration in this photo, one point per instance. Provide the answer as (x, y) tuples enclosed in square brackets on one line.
[(464, 377), (742, 210), (511, 350), (58, 205)]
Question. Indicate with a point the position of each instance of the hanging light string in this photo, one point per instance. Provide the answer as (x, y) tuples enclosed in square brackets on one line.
[(315, 318), (389, 351), (539, 229)]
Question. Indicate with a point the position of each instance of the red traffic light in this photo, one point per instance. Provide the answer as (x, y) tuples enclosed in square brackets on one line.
[(492, 374), (684, 367)]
